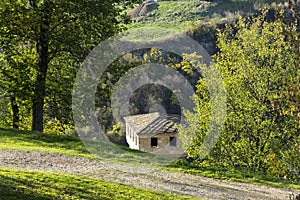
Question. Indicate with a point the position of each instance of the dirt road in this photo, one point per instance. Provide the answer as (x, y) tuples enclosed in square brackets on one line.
[(153, 179)]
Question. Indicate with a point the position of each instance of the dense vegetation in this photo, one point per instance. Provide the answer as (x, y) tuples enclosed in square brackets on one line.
[(259, 63)]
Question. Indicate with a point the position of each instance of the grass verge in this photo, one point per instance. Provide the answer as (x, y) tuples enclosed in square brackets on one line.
[(34, 141), (18, 185), (234, 175)]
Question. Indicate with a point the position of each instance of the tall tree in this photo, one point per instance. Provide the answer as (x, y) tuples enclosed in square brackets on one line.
[(56, 28)]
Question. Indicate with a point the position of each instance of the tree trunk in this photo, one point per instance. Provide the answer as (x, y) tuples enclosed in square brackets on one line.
[(38, 103), (15, 110), (40, 84)]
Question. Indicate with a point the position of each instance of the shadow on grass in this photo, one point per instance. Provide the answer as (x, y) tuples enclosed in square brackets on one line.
[(24, 185), (15, 189)]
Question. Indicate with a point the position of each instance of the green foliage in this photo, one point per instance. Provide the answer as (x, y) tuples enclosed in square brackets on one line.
[(43, 43), (16, 76), (17, 184), (116, 134), (142, 98), (259, 62), (58, 127)]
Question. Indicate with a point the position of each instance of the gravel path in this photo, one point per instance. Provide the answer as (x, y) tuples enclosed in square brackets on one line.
[(154, 179)]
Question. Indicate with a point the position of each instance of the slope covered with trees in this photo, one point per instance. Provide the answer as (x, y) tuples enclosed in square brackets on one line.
[(259, 63)]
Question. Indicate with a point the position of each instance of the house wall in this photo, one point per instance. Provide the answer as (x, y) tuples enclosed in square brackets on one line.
[(143, 143), (163, 141), (131, 138)]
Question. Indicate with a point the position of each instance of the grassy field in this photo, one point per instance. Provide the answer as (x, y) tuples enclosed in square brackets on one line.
[(27, 185)]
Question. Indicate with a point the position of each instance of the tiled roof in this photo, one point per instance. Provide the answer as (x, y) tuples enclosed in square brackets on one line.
[(152, 123)]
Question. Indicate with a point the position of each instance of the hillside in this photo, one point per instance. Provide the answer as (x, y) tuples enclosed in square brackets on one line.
[(180, 15), (198, 19)]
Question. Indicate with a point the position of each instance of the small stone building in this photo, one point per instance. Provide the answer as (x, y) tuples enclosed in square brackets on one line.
[(154, 133)]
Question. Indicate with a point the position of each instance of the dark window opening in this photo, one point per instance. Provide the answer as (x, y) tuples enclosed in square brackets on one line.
[(172, 141), (154, 142)]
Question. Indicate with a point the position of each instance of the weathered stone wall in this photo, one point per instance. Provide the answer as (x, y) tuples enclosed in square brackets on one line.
[(163, 146)]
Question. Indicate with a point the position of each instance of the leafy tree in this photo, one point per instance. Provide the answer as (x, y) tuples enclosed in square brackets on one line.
[(57, 28), (17, 75), (259, 62)]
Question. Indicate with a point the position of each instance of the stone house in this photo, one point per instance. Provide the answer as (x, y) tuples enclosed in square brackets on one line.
[(154, 133)]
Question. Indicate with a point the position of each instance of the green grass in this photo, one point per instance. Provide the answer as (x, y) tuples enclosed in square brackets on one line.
[(13, 139), (27, 185), (149, 34), (234, 175), (181, 15), (173, 15), (33, 141)]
